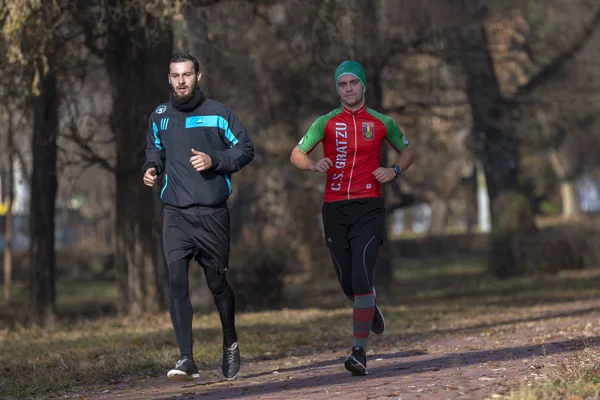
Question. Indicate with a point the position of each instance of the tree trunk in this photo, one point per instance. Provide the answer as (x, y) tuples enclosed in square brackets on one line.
[(570, 203), (408, 218), (8, 227), (496, 147), (190, 35), (566, 171), (42, 296), (439, 216), (483, 200), (138, 70), (471, 200), (496, 144)]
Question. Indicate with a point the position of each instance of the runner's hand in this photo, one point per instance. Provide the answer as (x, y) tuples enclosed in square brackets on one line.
[(200, 161), (384, 175), (150, 177), (321, 166)]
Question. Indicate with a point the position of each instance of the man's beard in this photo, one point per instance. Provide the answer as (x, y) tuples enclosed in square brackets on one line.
[(353, 103), (186, 97)]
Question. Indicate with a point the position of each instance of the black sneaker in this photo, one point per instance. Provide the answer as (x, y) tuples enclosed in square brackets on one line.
[(378, 324), (185, 370), (357, 361), (231, 361)]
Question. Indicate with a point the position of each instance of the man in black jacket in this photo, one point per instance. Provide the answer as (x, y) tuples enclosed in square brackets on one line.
[(197, 143)]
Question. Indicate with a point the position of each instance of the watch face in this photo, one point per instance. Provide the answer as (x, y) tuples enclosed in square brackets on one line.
[(397, 169)]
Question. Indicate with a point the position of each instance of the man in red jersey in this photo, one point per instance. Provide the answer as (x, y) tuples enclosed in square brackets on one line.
[(354, 210)]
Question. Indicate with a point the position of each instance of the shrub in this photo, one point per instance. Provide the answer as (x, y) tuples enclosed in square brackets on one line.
[(548, 251)]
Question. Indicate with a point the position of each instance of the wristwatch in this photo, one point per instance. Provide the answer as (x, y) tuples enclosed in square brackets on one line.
[(397, 170)]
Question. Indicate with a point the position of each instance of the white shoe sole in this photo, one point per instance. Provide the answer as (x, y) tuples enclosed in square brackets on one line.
[(233, 377), (180, 376)]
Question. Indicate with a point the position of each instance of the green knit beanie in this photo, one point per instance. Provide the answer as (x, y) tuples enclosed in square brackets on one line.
[(351, 68)]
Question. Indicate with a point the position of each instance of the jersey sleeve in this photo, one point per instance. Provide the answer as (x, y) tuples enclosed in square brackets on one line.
[(313, 136), (395, 136)]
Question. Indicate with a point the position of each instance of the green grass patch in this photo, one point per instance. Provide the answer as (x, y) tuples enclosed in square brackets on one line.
[(74, 300), (438, 268), (76, 292), (465, 281)]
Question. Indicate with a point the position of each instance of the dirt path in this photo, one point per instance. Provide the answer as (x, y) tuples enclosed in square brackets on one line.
[(476, 361)]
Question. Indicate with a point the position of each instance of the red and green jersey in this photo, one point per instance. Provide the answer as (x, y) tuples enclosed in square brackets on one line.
[(352, 141)]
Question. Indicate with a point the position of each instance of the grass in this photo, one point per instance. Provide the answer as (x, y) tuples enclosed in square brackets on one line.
[(465, 282), (542, 221), (44, 362), (75, 300), (575, 378), (432, 299)]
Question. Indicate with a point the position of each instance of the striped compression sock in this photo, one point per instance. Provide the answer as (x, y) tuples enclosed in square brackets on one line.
[(362, 318)]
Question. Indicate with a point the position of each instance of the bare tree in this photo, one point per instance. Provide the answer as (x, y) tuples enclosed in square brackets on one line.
[(135, 47), (8, 172), (36, 44), (7, 178), (496, 122)]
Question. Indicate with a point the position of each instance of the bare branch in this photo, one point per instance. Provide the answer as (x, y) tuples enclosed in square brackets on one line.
[(85, 142), (559, 62)]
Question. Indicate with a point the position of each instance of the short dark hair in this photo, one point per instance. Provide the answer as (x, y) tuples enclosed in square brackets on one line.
[(183, 57)]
